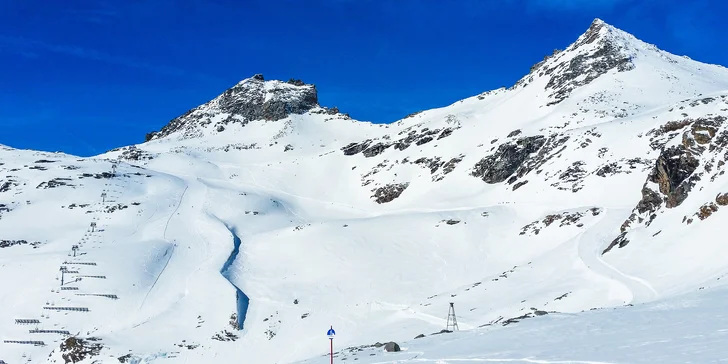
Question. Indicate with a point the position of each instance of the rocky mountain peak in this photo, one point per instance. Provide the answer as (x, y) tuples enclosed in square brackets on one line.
[(249, 100), (598, 29), (601, 49)]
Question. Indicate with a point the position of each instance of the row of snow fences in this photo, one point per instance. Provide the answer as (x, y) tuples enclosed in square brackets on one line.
[(26, 342), (69, 288), (62, 332), (100, 277), (80, 263), (77, 309), (112, 296), (26, 321)]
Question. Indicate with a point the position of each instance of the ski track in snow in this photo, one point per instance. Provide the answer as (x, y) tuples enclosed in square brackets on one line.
[(169, 251), (594, 240)]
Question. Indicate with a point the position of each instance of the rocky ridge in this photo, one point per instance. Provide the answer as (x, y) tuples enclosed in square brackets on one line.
[(251, 99)]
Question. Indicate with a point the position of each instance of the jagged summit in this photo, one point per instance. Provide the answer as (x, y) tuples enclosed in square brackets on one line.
[(606, 50), (600, 49), (251, 99)]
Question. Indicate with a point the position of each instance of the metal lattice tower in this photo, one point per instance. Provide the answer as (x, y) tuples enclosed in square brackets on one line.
[(63, 271), (452, 321)]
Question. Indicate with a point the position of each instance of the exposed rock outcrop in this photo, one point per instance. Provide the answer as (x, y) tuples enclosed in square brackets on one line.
[(74, 350), (391, 347), (507, 159), (389, 192), (722, 199)]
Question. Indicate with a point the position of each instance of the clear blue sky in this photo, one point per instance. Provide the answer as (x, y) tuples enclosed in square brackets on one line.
[(87, 76)]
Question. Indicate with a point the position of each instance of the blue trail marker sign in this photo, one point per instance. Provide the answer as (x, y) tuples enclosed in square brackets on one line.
[(331, 333)]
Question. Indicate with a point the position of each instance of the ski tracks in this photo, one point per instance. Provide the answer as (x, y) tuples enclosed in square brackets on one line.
[(590, 246), (169, 251)]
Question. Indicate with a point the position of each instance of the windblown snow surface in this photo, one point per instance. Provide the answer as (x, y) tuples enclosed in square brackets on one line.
[(503, 203)]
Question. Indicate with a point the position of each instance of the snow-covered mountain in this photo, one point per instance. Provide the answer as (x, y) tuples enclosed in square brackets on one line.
[(245, 228)]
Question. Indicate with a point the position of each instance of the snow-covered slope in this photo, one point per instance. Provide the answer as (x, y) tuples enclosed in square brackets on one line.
[(249, 225)]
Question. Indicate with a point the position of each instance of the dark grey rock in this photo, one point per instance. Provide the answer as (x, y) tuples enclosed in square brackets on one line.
[(135, 154), (674, 166), (507, 159), (424, 140), (514, 133), (620, 241), (375, 149), (519, 185), (9, 243), (445, 133), (389, 192), (56, 182), (391, 347), (355, 148)]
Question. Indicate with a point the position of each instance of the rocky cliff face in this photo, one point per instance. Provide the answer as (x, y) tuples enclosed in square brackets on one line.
[(696, 148)]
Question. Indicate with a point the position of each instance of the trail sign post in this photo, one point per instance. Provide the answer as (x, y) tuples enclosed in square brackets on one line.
[(331, 334)]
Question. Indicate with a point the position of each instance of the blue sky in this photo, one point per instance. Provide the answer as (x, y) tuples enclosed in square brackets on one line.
[(87, 76)]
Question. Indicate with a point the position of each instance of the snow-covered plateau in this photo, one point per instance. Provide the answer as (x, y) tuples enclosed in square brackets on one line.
[(575, 217)]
